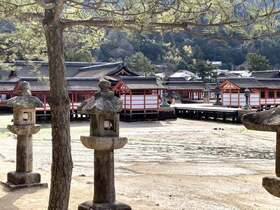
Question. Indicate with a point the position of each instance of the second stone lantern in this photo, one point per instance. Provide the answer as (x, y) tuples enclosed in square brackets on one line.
[(24, 125), (104, 138)]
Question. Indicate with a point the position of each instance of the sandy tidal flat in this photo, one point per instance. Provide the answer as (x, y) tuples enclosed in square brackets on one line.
[(170, 165)]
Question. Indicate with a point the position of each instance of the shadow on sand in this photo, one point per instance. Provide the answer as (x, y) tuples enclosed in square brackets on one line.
[(7, 202)]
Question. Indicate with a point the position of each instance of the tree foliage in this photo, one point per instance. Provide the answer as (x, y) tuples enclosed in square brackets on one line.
[(257, 62), (140, 64), (203, 69)]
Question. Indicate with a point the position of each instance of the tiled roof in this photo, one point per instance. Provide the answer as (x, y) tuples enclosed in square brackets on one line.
[(270, 83), (7, 86), (40, 68), (82, 84), (266, 74), (103, 70), (248, 82), (184, 85), (141, 82)]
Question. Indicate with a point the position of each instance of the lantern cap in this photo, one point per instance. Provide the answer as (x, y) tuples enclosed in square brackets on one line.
[(104, 101), (24, 98)]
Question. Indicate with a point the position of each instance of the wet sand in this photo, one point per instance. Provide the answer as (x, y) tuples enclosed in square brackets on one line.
[(170, 165)]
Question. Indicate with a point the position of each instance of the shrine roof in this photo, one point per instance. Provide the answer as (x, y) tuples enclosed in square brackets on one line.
[(266, 74), (248, 82), (40, 68), (82, 84), (141, 82), (271, 83), (7, 86), (104, 70), (183, 85)]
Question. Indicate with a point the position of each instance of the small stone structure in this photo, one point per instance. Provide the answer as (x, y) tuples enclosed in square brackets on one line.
[(24, 125), (206, 95), (218, 94), (104, 138), (267, 121), (247, 94)]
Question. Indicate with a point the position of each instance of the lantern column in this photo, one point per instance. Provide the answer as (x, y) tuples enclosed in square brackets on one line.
[(104, 138), (24, 126)]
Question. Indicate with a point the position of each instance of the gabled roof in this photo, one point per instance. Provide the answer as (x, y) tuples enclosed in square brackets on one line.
[(106, 70), (184, 85), (266, 74), (141, 82), (249, 82)]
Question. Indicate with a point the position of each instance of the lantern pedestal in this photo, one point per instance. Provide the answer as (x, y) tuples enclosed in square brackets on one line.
[(89, 205), (19, 180)]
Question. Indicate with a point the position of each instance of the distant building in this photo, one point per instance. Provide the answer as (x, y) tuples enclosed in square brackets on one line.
[(188, 75), (266, 74), (216, 63), (263, 92), (141, 95)]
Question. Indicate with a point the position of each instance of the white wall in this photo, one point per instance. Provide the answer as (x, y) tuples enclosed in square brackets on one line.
[(138, 101), (233, 101)]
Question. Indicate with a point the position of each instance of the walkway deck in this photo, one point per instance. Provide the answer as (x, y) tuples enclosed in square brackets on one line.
[(208, 111)]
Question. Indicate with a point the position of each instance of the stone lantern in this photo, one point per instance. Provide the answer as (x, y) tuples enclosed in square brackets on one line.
[(206, 95), (267, 121), (218, 93), (104, 138), (247, 94), (24, 125)]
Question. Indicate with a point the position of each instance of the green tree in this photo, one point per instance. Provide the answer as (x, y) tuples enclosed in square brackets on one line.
[(203, 69), (115, 46), (257, 62), (140, 64)]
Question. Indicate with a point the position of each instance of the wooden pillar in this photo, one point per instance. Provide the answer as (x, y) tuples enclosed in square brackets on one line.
[(145, 103), (275, 96), (238, 92), (230, 97), (249, 98), (260, 97), (45, 104), (124, 101), (265, 96), (130, 92), (72, 101), (158, 104), (222, 96)]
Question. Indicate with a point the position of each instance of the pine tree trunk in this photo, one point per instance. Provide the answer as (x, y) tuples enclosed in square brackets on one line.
[(61, 170)]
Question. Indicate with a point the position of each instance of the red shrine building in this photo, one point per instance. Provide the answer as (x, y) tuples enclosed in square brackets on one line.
[(140, 95), (264, 92)]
